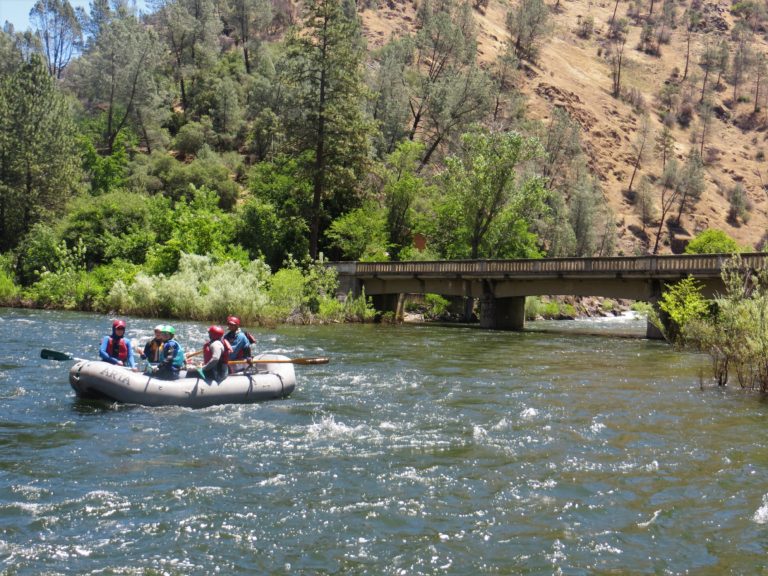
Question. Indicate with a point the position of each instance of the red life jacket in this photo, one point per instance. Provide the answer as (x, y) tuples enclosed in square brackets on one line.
[(207, 354), (117, 348)]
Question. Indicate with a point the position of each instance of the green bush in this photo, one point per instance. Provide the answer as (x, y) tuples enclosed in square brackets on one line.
[(682, 302), (712, 241), (436, 306), (9, 291)]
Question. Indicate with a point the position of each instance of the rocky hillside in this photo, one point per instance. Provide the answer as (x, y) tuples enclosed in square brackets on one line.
[(574, 73)]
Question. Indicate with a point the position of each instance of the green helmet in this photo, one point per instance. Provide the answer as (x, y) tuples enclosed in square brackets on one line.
[(169, 329)]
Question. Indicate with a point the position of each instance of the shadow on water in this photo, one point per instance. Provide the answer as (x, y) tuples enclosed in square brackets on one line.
[(86, 406)]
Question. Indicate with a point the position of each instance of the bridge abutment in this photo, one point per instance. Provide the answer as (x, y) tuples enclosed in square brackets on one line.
[(502, 313)]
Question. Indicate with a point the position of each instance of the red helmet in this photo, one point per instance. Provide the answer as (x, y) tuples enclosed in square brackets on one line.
[(118, 324), (215, 332), (233, 320)]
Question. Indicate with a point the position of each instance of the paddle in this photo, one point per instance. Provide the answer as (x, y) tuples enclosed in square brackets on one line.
[(53, 355), (320, 360), (191, 354)]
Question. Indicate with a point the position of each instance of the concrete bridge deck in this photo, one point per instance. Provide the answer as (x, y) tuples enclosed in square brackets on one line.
[(502, 285)]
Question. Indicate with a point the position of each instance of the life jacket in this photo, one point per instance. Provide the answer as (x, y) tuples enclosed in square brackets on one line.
[(178, 355), (207, 354), (155, 350), (179, 360), (117, 348)]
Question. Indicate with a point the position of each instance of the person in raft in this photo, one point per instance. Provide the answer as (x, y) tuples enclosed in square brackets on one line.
[(238, 341), (154, 348), (216, 354), (116, 349), (171, 356)]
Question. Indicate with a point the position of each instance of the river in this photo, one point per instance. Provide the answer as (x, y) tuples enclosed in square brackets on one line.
[(569, 448)]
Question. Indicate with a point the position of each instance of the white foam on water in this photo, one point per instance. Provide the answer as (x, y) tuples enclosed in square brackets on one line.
[(761, 515), (649, 522), (328, 429), (529, 414)]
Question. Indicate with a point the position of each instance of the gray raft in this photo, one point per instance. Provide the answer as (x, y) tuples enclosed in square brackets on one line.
[(96, 379)]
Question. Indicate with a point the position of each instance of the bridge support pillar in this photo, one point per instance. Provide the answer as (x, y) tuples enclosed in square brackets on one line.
[(502, 313), (390, 303)]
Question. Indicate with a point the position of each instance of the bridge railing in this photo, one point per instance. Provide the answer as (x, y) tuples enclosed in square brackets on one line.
[(687, 263)]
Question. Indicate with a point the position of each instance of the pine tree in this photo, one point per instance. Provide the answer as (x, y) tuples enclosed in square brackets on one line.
[(39, 165), (324, 75)]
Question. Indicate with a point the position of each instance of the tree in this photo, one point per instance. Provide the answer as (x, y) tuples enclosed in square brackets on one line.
[(448, 91), (389, 105), (189, 29), (488, 207), (562, 144), (760, 70), (616, 55), (690, 183), (640, 146), (402, 187), (59, 32), (509, 103), (591, 218), (115, 77), (249, 19), (528, 23), (693, 17), (713, 241), (708, 62), (742, 57), (665, 144), (39, 165), (669, 195), (324, 67), (644, 204)]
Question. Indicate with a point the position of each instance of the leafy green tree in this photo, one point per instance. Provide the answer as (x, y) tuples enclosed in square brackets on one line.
[(39, 166), (59, 32), (360, 234), (402, 188), (713, 241), (488, 208), (324, 74), (266, 234), (273, 220), (683, 303), (113, 225)]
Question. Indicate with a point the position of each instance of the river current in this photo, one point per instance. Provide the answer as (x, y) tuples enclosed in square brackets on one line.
[(570, 448)]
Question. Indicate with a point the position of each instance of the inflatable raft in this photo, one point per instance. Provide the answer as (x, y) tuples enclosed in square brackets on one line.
[(264, 381)]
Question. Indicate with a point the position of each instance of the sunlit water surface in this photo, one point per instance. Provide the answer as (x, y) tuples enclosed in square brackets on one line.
[(567, 449)]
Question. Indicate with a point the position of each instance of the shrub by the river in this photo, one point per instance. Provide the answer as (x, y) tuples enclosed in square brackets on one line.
[(9, 291), (732, 329), (205, 290)]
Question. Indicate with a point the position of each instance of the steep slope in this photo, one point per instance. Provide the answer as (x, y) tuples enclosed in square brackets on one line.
[(574, 73)]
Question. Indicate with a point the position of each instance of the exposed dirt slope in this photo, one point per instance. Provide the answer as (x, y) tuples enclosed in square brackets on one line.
[(573, 72)]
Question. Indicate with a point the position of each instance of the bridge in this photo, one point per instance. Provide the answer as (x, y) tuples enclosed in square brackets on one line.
[(502, 285)]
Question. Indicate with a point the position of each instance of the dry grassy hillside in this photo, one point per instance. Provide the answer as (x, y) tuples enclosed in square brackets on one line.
[(572, 73)]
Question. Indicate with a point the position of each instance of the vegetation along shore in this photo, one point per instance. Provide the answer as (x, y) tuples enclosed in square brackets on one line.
[(207, 156)]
